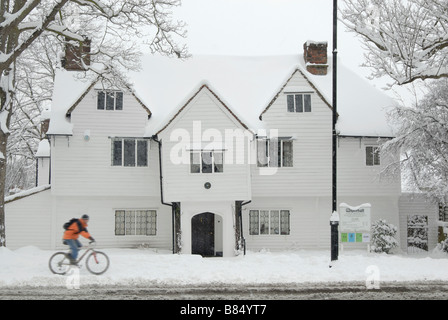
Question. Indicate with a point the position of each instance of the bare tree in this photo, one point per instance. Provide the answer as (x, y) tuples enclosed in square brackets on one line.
[(404, 39), (111, 26), (35, 73)]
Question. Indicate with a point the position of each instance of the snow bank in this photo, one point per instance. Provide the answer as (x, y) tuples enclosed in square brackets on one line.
[(28, 266)]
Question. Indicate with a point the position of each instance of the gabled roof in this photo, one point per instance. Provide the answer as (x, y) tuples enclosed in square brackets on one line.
[(70, 89), (284, 86), (202, 87), (247, 86)]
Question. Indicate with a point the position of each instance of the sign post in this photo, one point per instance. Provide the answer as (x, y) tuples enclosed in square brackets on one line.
[(355, 224), (334, 224)]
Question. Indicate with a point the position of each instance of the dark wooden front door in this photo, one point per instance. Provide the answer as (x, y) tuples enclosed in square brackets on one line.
[(203, 234)]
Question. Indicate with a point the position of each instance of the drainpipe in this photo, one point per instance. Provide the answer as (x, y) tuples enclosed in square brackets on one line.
[(155, 138), (241, 224)]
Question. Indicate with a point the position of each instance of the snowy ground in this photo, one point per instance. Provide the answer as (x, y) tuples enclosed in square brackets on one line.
[(28, 266)]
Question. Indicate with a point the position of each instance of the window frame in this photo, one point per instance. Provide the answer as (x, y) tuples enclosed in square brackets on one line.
[(118, 96), (279, 155), (375, 158), (306, 103), (284, 222), (138, 162), (150, 214), (213, 164)]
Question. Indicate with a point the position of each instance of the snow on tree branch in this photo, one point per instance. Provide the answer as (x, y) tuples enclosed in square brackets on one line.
[(405, 40), (422, 140), (111, 28)]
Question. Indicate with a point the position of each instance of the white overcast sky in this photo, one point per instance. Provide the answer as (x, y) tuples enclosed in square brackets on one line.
[(264, 27), (270, 27)]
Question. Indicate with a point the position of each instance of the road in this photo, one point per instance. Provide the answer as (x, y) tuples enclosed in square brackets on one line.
[(307, 291)]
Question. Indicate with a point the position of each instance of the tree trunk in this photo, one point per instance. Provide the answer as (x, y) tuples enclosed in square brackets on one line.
[(3, 143), (7, 44)]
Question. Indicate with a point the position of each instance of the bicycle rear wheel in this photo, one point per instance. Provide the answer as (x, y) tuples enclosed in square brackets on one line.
[(59, 263), (97, 262)]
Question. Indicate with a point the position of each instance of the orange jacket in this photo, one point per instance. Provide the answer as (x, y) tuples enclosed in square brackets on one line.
[(73, 231)]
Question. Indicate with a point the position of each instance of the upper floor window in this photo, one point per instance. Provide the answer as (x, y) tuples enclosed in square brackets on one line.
[(110, 100), (206, 161), (274, 153), (299, 102), (129, 152), (372, 156)]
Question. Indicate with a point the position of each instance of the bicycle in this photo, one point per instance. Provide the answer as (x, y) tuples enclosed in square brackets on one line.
[(97, 262)]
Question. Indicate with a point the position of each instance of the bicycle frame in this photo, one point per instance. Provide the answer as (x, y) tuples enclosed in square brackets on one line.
[(86, 251)]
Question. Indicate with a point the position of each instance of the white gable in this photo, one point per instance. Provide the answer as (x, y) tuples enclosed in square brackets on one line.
[(245, 84)]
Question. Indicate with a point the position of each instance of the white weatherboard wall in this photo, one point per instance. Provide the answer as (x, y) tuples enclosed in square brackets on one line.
[(47, 214), (101, 210), (28, 221), (76, 160), (309, 223), (355, 178), (179, 184), (311, 171), (84, 181)]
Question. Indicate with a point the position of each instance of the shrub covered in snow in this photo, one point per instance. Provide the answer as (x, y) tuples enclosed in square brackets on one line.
[(443, 246), (383, 237)]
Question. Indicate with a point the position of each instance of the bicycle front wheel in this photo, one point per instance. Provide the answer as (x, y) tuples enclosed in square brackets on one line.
[(59, 263), (97, 262)]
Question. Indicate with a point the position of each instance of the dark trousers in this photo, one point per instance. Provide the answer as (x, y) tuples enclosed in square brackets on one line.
[(74, 247)]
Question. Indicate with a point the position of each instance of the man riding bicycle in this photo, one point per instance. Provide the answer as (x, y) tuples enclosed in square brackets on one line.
[(71, 235)]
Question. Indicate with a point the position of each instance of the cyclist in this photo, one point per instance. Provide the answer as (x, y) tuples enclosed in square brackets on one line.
[(71, 235)]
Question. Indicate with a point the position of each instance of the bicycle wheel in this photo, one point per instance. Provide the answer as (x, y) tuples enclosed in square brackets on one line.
[(97, 262), (59, 263)]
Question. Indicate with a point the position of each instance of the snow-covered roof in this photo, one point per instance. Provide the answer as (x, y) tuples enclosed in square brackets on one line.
[(244, 84), (43, 150), (69, 86)]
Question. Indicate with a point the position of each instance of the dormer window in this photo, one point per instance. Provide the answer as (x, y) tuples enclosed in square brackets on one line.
[(299, 102), (110, 100)]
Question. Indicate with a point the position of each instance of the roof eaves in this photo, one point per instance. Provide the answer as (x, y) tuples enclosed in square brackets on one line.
[(73, 107)]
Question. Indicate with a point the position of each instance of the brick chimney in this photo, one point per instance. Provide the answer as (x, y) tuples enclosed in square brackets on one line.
[(315, 55), (74, 54), (44, 128)]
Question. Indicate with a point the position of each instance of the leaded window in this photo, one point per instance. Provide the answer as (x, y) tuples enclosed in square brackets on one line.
[(372, 156), (206, 162), (129, 152), (275, 153), (299, 103), (135, 222), (269, 222), (109, 100)]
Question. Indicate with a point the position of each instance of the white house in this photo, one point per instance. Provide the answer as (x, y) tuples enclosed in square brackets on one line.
[(210, 156)]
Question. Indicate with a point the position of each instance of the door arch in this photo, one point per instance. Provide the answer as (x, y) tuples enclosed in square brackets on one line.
[(204, 233)]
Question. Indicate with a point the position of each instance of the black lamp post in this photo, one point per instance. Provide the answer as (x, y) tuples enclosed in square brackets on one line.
[(334, 221)]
